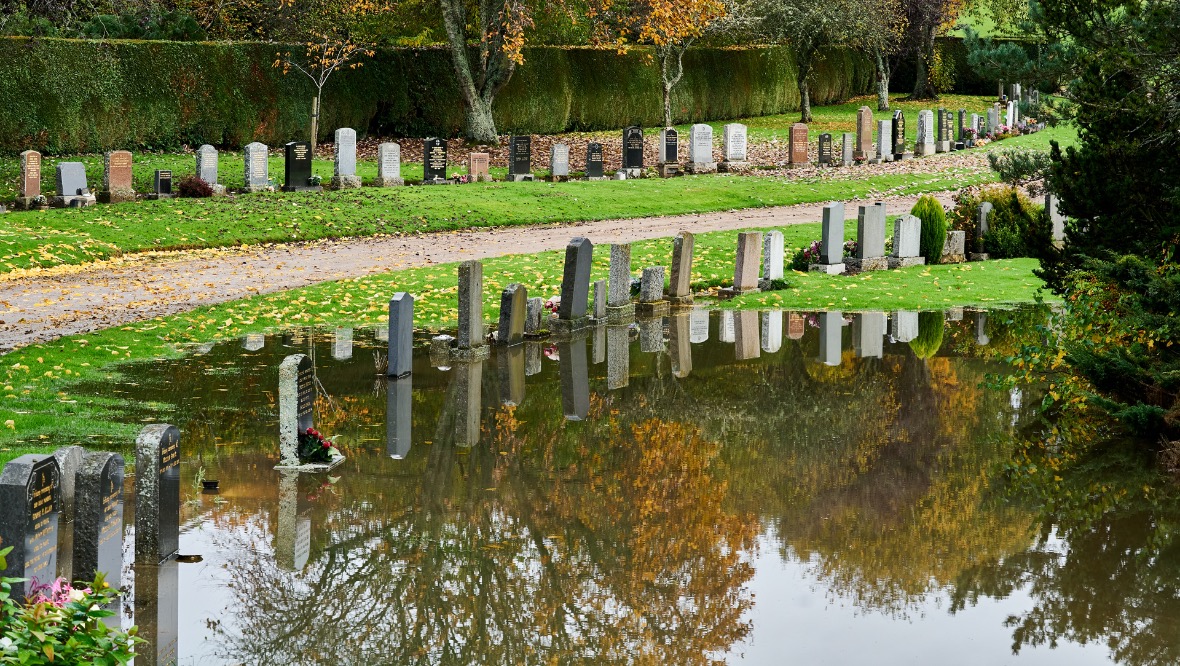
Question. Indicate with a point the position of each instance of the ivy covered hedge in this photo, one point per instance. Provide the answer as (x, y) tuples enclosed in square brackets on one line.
[(64, 96)]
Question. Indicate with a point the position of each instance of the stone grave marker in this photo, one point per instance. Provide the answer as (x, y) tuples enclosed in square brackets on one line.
[(848, 140), (904, 325), (575, 378), (725, 330), (297, 167), (389, 165), (960, 144), (897, 132), (831, 245), (772, 331), (680, 345), (618, 293), (534, 307), (399, 403), (796, 326), (598, 346), (733, 138), (772, 256), (512, 315), (520, 158), (157, 612), (342, 343), (651, 335), (1056, 219), (870, 239), (993, 120), (161, 184), (207, 164), (434, 161), (745, 335), (117, 186), (942, 143), (470, 343), (868, 334), (907, 234), (401, 335), (1012, 115), (296, 405), (157, 493), (680, 288), (71, 185), (698, 326), (30, 178), (981, 229), (344, 167), (618, 357), (831, 334), (745, 275), (464, 397), (559, 162), (257, 167), (925, 142), (575, 286), (633, 151), (253, 341), (825, 157), (651, 292), (598, 302), (98, 518), (954, 248), (797, 155), (701, 149), (884, 142), (669, 164), (594, 162), (477, 167), (864, 134), (30, 506)]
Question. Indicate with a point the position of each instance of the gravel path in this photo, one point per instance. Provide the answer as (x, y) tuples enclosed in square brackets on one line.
[(46, 304)]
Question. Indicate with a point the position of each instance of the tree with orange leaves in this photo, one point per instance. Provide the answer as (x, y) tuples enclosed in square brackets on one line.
[(671, 26)]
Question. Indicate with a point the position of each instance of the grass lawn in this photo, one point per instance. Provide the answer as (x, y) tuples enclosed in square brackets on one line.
[(39, 408)]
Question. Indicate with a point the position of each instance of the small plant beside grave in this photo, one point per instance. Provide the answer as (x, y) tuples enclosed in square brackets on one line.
[(194, 187), (315, 448)]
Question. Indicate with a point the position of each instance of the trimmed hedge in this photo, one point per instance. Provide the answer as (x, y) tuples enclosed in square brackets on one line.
[(66, 96)]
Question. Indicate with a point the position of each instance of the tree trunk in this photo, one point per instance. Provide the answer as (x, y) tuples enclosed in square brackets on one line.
[(315, 120), (803, 65), (922, 84), (477, 103), (666, 54), (481, 127), (883, 75)]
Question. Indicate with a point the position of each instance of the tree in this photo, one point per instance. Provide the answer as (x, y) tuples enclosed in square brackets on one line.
[(670, 26), (879, 29), (926, 18)]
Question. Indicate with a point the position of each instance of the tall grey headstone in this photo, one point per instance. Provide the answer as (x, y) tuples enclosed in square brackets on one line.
[(618, 293), (884, 141), (389, 165), (401, 335), (296, 405), (680, 288), (598, 301), (745, 275), (157, 493), (772, 255), (575, 286), (907, 237), (1056, 219), (257, 167), (559, 161), (870, 238), (207, 164), (471, 331), (847, 149), (399, 402), (344, 172), (701, 149), (30, 506), (534, 308), (513, 308), (831, 245), (772, 331), (925, 140)]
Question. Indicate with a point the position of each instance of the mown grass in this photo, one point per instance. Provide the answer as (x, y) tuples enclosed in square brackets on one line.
[(40, 405)]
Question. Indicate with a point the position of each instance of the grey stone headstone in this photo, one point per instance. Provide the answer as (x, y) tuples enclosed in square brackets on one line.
[(575, 281), (772, 255), (701, 146), (831, 332), (904, 325), (207, 164), (772, 331), (870, 231), (682, 249), (399, 403), (651, 286), (734, 138), (745, 274), (698, 326), (848, 143), (1053, 206), (98, 521), (618, 357), (924, 145), (907, 236), (985, 209), (559, 160), (257, 167), (511, 368), (832, 239), (71, 179), (342, 343), (680, 345), (745, 335), (471, 331), (296, 405), (512, 315), (533, 311), (868, 334), (619, 289), (345, 152), (30, 506), (884, 140), (599, 300), (401, 335), (389, 163), (157, 493), (575, 378)]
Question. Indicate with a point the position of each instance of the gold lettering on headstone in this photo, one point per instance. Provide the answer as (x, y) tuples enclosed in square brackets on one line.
[(111, 526), (169, 457)]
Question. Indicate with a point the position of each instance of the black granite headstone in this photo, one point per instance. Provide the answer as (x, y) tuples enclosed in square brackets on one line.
[(575, 281), (163, 181), (944, 125), (30, 503), (434, 160), (297, 166), (633, 147), (670, 150), (825, 149), (98, 518), (157, 493), (520, 156), (594, 160)]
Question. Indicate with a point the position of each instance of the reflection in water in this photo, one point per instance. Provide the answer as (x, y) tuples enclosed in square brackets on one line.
[(628, 514)]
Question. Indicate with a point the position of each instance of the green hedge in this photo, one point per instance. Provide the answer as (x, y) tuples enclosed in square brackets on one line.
[(65, 96)]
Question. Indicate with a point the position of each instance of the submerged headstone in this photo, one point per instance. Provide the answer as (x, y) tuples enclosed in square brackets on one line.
[(400, 335), (618, 357), (680, 344), (575, 286), (30, 505), (157, 493), (296, 406), (513, 308), (98, 521), (618, 293), (680, 289), (470, 341), (399, 403)]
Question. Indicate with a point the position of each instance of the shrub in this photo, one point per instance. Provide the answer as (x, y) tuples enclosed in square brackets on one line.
[(933, 227), (929, 340), (1018, 167), (1016, 227), (194, 187)]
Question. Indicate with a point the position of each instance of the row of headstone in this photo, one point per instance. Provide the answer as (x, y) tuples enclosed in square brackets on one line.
[(870, 241)]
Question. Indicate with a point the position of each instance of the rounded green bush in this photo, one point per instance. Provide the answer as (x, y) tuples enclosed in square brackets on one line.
[(929, 340), (933, 217)]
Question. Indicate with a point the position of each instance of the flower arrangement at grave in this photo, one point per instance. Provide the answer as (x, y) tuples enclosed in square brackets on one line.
[(315, 448), (850, 248), (805, 257)]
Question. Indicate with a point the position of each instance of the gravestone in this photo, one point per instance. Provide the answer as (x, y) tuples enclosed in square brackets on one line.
[(575, 378), (598, 346), (470, 343), (904, 325), (975, 129), (389, 165), (981, 229), (953, 249), (464, 399), (884, 142), (69, 459), (559, 162), (512, 315), (831, 245), (864, 135), (575, 287), (772, 257), (71, 186), (510, 367), (925, 142), (293, 526), (868, 334), (257, 167), (825, 150), (297, 167), (1056, 219), (848, 141), (831, 337), (680, 345), (725, 330), (598, 302), (207, 164), (680, 287), (157, 493), (733, 138), (651, 292), (520, 158), (698, 326), (618, 357), (745, 335), (98, 518), (594, 162), (399, 403), (477, 168), (618, 294), (897, 131), (907, 235), (29, 190), (344, 168), (993, 121), (651, 335), (161, 185), (633, 151), (534, 354), (117, 186), (797, 150), (796, 326), (946, 134), (30, 507), (745, 274), (434, 161), (870, 239), (1012, 115), (962, 137), (296, 406), (342, 343), (401, 335), (772, 331), (669, 163), (701, 149), (533, 324)]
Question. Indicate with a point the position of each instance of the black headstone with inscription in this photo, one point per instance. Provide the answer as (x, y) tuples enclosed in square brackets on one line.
[(98, 518), (30, 503), (825, 149), (520, 156), (163, 181), (944, 125), (157, 493), (594, 165), (633, 147), (297, 166), (434, 160), (962, 124), (670, 149)]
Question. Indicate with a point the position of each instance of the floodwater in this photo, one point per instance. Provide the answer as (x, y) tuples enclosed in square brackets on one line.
[(744, 488)]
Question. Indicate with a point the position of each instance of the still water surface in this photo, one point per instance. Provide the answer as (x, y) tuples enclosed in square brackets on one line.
[(705, 488)]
